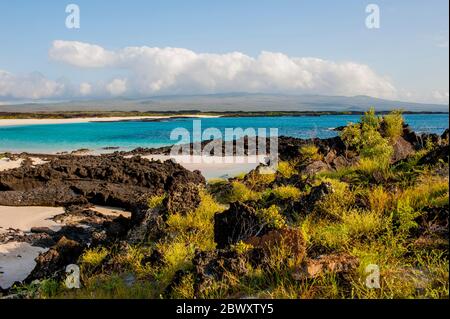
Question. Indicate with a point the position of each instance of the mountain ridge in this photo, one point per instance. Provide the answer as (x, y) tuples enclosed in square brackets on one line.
[(233, 101)]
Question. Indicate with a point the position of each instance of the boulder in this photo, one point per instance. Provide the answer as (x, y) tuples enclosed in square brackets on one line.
[(290, 239), (183, 192), (213, 265), (402, 149), (314, 168), (52, 264), (445, 136), (239, 222)]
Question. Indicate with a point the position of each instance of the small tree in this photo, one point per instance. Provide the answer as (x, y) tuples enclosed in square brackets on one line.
[(367, 140), (393, 125), (351, 136), (370, 120)]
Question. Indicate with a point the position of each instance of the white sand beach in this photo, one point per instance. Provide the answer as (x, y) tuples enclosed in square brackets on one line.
[(22, 122), (17, 260), (24, 218), (6, 163)]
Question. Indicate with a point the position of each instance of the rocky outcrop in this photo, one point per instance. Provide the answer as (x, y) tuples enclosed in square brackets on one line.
[(213, 265), (52, 264), (79, 182), (439, 153), (314, 168), (182, 193), (109, 180)]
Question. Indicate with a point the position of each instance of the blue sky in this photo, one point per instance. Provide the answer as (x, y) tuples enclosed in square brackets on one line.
[(409, 51)]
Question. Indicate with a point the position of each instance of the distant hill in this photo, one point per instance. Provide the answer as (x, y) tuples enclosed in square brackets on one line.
[(230, 102)]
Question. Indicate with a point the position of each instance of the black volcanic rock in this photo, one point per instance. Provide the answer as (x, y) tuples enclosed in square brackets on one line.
[(109, 180), (239, 222), (52, 263)]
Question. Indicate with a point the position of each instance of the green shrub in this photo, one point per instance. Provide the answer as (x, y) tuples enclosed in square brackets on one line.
[(286, 192), (155, 201), (368, 142), (379, 199), (404, 217), (375, 147), (370, 121), (197, 227), (241, 193), (363, 225), (272, 217), (393, 125), (286, 169), (241, 247), (310, 152), (351, 136), (94, 257)]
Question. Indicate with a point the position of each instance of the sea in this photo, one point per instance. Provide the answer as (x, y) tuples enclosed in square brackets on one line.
[(128, 135)]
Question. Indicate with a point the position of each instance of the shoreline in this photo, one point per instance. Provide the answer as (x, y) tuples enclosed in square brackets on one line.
[(26, 122)]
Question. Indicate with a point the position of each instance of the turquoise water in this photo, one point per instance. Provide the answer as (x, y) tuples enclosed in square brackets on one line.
[(130, 135)]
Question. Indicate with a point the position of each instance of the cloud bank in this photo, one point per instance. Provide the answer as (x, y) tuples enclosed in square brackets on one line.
[(145, 71), (30, 86), (176, 70)]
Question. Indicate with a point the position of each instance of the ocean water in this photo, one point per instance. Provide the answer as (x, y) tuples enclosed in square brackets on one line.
[(129, 135)]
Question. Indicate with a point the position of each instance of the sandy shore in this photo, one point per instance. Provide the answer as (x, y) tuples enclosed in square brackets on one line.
[(17, 262), (6, 163), (213, 167), (17, 259), (21, 122), (24, 218)]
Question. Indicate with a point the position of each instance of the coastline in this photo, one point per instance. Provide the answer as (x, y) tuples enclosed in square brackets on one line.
[(126, 186), (20, 122)]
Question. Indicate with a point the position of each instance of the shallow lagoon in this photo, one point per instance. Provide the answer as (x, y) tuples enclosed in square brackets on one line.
[(132, 134)]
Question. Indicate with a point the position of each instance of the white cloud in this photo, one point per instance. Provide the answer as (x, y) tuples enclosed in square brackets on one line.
[(440, 96), (177, 70), (85, 88), (144, 71), (80, 54), (30, 86), (117, 87)]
